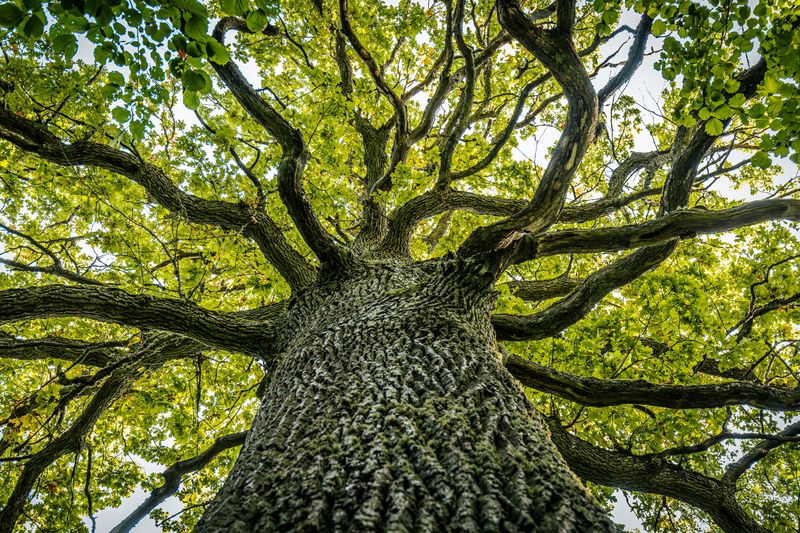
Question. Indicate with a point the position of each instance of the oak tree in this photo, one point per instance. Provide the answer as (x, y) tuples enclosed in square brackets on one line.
[(400, 265)]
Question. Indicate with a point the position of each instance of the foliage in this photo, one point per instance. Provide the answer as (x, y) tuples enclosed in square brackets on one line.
[(139, 76)]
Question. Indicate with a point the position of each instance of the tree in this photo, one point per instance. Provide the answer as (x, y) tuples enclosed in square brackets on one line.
[(338, 261)]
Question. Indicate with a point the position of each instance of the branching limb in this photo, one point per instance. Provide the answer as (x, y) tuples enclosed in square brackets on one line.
[(373, 216), (434, 202), (595, 392), (401, 139), (557, 53), (460, 118), (55, 268), (565, 16), (653, 475), (504, 136), (579, 302), (674, 198), (97, 354), (681, 224), (173, 475), (635, 56), (736, 469), (222, 330), (155, 350), (294, 156), (36, 138), (538, 290), (635, 162), (720, 437)]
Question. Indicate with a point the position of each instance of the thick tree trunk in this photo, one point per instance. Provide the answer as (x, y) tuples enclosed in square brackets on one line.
[(390, 410)]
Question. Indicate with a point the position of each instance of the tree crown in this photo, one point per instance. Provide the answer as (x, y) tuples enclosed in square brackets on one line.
[(174, 171)]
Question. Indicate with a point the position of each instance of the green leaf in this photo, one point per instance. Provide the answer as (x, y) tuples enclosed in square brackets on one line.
[(121, 114), (137, 129), (193, 80), (723, 112), (10, 15), (234, 7), (732, 85), (761, 160), (714, 127), (65, 44), (116, 78), (737, 100), (256, 21), (771, 84), (659, 28), (102, 54), (191, 99), (217, 52), (34, 27), (758, 110), (197, 28)]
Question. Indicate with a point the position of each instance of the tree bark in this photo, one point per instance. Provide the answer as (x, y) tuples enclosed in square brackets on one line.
[(390, 410)]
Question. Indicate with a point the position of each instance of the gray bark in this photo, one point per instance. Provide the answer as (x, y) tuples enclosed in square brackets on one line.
[(390, 410)]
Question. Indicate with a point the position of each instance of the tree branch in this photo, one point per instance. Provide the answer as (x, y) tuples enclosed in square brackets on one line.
[(595, 392), (681, 224), (155, 349), (97, 354), (653, 475), (565, 16), (635, 56), (406, 217), (579, 302), (294, 156), (538, 290), (55, 269), (758, 452), (668, 225), (557, 52), (221, 330), (401, 139), (172, 478), (35, 137), (460, 119)]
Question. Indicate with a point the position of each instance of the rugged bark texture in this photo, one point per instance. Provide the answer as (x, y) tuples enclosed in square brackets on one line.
[(390, 410)]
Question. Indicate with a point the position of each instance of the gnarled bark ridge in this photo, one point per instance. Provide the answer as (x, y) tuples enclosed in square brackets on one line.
[(391, 411)]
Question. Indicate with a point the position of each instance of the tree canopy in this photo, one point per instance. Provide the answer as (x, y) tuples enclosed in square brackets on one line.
[(172, 172)]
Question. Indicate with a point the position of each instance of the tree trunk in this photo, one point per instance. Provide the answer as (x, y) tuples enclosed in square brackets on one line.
[(390, 410)]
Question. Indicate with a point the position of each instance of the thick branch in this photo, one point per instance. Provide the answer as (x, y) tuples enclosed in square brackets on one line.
[(114, 305), (173, 475), (635, 162), (758, 452), (97, 354), (460, 119), (682, 224), (155, 350), (606, 392), (577, 304), (432, 203), (401, 139), (565, 16), (557, 53), (36, 138), (670, 224), (538, 290), (653, 475), (293, 159), (635, 56)]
